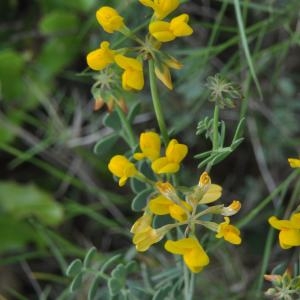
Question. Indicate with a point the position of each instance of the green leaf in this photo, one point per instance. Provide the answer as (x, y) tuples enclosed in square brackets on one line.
[(74, 268), (76, 282), (58, 22), (23, 201), (162, 293), (113, 121), (65, 49), (15, 234), (245, 46), (105, 144), (11, 66), (109, 262), (140, 200), (119, 272), (94, 287), (89, 256), (131, 266), (133, 112), (137, 186), (159, 221), (114, 286)]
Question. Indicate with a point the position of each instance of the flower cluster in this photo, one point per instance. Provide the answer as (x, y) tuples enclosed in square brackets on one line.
[(187, 206), (148, 48)]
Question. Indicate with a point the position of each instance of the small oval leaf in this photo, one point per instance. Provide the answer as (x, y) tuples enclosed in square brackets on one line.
[(89, 256), (140, 200), (93, 288), (76, 282), (119, 272), (113, 121), (74, 268), (114, 286), (105, 144)]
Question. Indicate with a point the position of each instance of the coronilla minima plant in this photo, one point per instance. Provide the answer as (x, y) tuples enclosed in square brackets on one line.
[(171, 214)]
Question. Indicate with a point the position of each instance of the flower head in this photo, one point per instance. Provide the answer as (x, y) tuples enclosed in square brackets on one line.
[(168, 31), (150, 146), (121, 167), (232, 209), (194, 255), (109, 19), (289, 235), (229, 232), (294, 162), (132, 77), (144, 236), (161, 8), (100, 58), (141, 223), (170, 163), (161, 205)]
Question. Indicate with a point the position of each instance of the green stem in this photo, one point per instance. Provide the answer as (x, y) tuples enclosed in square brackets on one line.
[(186, 282), (215, 139), (192, 285), (157, 104), (215, 128), (127, 128)]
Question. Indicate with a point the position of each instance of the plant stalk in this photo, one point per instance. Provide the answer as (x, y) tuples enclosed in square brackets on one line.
[(157, 103)]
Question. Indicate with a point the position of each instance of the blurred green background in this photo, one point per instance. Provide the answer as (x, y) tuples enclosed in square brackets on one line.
[(57, 198)]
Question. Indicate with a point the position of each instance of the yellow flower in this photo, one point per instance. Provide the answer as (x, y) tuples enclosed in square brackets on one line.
[(100, 58), (164, 75), (289, 235), (170, 163), (132, 77), (163, 206), (294, 162), (121, 167), (161, 8), (194, 255), (168, 31), (232, 209), (144, 235), (204, 180), (109, 19), (150, 146), (141, 223), (229, 232)]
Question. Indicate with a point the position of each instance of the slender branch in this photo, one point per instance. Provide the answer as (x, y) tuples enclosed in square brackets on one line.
[(127, 128), (157, 104)]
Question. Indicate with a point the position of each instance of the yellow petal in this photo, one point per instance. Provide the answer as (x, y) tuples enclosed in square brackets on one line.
[(295, 220), (132, 80), (128, 62), (294, 162), (176, 152), (280, 224), (161, 31), (163, 166), (213, 193), (150, 145), (163, 74), (109, 19), (177, 212), (160, 205), (180, 246), (161, 8), (289, 238), (100, 58), (196, 259), (179, 26)]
